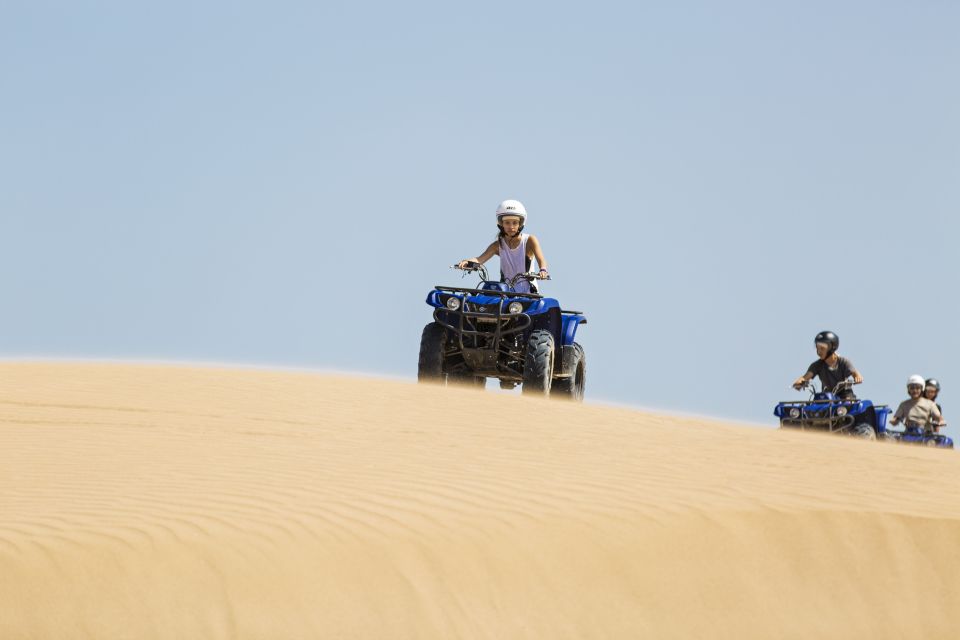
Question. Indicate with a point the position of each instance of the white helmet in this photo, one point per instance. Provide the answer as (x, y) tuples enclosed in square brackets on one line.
[(512, 208), (916, 380)]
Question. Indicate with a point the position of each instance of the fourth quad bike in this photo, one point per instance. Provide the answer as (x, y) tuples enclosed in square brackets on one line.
[(923, 435), (493, 331), (836, 411)]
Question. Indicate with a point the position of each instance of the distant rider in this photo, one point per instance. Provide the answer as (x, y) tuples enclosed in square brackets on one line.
[(931, 390), (917, 411), (516, 249), (831, 368)]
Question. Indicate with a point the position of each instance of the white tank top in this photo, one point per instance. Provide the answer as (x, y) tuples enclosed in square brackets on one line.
[(514, 261)]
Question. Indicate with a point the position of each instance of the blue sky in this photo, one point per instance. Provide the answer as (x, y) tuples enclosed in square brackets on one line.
[(280, 184)]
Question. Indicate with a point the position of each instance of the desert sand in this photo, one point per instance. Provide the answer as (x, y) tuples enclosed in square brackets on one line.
[(176, 502)]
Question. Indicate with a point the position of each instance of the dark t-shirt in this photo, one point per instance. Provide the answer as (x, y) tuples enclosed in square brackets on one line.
[(829, 378)]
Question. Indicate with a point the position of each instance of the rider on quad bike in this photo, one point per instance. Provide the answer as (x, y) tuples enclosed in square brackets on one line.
[(504, 329), (921, 419), (931, 390), (918, 410), (516, 249), (831, 368)]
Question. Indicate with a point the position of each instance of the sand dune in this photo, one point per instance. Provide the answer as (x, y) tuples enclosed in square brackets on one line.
[(165, 502)]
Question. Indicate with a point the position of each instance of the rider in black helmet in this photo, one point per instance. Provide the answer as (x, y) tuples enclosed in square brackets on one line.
[(931, 390), (831, 368)]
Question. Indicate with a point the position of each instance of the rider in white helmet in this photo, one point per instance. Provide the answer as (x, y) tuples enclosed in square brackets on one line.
[(515, 249), (918, 411)]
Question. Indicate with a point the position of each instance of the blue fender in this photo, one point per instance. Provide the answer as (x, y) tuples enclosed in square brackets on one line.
[(883, 412), (570, 324)]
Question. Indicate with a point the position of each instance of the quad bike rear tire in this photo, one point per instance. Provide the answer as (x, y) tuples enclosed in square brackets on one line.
[(430, 364), (572, 388), (863, 430), (538, 365)]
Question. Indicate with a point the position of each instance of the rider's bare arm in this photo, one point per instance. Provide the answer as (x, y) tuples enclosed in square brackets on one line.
[(897, 416), (488, 253), (937, 416), (799, 382), (534, 250)]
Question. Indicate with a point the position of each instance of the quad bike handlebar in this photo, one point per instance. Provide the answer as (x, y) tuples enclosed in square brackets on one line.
[(843, 384), (471, 266), (530, 275), (929, 427)]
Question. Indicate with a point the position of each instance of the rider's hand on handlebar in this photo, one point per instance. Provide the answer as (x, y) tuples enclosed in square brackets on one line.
[(544, 274)]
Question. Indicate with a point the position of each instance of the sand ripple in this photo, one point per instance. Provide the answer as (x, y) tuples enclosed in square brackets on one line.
[(174, 502)]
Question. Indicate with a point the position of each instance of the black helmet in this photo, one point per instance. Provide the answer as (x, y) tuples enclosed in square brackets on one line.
[(830, 339), (932, 382)]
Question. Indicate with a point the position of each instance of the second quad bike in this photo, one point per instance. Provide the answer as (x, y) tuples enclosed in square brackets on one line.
[(827, 411)]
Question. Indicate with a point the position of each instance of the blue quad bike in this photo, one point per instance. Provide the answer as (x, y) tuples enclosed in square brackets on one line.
[(836, 411), (493, 331), (923, 435)]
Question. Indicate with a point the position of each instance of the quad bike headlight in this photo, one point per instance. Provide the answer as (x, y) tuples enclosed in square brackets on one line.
[(453, 303), (794, 413), (841, 411), (514, 307)]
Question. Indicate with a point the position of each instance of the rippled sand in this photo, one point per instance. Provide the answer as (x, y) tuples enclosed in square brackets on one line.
[(164, 502)]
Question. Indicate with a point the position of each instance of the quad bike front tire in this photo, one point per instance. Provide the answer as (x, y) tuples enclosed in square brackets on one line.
[(863, 430), (538, 365), (430, 364), (572, 388)]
